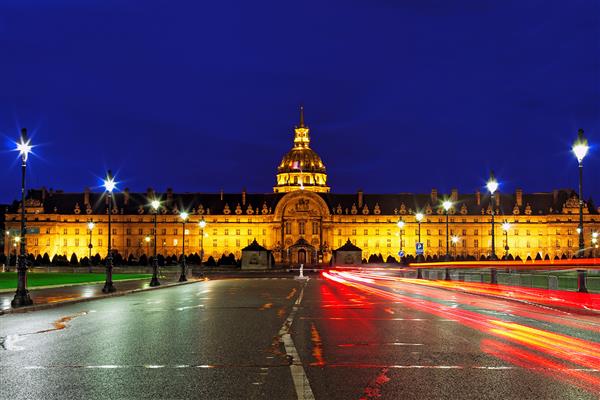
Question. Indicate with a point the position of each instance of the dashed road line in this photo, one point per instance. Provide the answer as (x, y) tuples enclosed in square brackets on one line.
[(301, 384)]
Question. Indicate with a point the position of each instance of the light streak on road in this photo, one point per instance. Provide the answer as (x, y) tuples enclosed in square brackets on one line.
[(529, 347)]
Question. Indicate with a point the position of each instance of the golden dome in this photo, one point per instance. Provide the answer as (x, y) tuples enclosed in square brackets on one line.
[(301, 168)]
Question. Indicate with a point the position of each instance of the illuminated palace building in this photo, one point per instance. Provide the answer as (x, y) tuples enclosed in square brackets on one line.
[(303, 221)]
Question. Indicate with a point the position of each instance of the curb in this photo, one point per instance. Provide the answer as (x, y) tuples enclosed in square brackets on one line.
[(38, 307), (2, 291)]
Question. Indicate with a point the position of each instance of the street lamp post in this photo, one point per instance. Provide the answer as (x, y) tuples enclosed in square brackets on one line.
[(400, 224), (419, 217), (147, 239), (155, 204), (594, 242), (202, 225), (90, 226), (454, 240), (492, 186), (182, 278), (22, 294), (109, 186), (580, 149), (447, 204), (505, 227)]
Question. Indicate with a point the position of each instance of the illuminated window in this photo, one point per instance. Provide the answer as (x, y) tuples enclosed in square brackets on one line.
[(237, 232), (163, 231), (175, 231), (476, 232), (339, 232), (65, 231), (186, 232), (315, 228), (214, 232), (288, 228), (65, 242), (76, 242), (237, 242), (376, 231), (428, 231), (264, 232), (214, 243), (175, 241), (77, 231), (476, 243), (99, 242), (226, 231), (353, 232), (249, 231)]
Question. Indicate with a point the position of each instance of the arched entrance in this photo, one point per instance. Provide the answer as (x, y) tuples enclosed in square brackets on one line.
[(302, 216), (302, 252)]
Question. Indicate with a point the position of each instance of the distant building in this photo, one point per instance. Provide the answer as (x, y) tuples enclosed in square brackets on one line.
[(302, 221)]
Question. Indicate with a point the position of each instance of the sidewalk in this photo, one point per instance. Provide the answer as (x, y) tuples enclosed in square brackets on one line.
[(55, 296)]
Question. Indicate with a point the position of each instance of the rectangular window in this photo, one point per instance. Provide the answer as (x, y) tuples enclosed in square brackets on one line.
[(264, 232), (76, 242), (48, 230), (47, 242), (476, 232), (366, 232), (301, 227), (249, 231), (140, 231), (226, 231), (175, 231), (114, 231), (428, 232), (175, 242), (163, 231), (353, 232), (99, 242), (476, 243), (315, 228), (339, 232), (186, 232), (237, 242), (128, 231), (214, 242), (464, 232), (77, 231), (376, 231), (64, 231), (288, 228), (65, 242), (128, 241), (237, 232)]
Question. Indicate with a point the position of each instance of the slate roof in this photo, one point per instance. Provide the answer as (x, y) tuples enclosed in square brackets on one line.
[(265, 203), (348, 246), (254, 246)]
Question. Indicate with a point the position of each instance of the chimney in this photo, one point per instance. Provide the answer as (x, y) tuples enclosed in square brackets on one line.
[(43, 193), (478, 198), (434, 198), (150, 193), (497, 198), (221, 194), (86, 196), (360, 198), (519, 197), (169, 194), (126, 196), (244, 197), (554, 197), (454, 195)]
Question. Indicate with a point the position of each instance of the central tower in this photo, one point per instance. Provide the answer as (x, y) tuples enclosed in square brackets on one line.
[(301, 168)]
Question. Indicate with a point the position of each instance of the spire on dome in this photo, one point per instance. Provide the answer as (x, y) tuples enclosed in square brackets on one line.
[(301, 116), (301, 136)]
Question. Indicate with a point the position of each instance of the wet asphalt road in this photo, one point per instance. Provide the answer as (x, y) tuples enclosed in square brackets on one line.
[(220, 339)]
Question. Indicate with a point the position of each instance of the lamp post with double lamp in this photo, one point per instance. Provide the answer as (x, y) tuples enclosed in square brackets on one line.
[(90, 226), (400, 224), (109, 186), (184, 216), (202, 225), (492, 186), (155, 204), (594, 241), (22, 294), (580, 149)]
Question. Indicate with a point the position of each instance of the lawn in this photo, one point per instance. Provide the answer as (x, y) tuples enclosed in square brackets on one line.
[(8, 280)]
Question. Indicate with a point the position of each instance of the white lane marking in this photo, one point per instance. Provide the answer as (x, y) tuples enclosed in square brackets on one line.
[(301, 384)]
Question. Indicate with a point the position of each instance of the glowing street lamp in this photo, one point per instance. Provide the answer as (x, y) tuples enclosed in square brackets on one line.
[(419, 217), (580, 149), (22, 294), (202, 225), (155, 205), (109, 186), (492, 186), (183, 216), (90, 226), (454, 239), (400, 224)]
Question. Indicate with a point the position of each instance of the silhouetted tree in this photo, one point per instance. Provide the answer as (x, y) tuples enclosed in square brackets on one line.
[(143, 260), (538, 257), (210, 262), (45, 259), (74, 260), (391, 260), (38, 260)]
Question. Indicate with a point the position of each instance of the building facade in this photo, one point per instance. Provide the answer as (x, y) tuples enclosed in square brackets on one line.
[(302, 221)]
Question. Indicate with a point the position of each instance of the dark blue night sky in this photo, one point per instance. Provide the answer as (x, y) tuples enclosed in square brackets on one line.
[(401, 96)]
